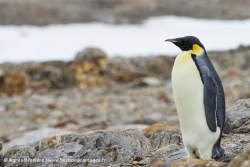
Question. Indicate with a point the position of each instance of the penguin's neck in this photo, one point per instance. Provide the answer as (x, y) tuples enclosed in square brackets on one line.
[(182, 58), (197, 50), (185, 56)]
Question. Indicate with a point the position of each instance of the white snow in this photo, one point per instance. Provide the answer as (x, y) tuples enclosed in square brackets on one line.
[(62, 42)]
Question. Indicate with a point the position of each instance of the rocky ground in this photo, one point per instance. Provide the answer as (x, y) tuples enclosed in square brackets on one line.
[(44, 12), (105, 110)]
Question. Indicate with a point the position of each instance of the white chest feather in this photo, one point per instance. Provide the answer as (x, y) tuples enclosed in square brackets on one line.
[(188, 93)]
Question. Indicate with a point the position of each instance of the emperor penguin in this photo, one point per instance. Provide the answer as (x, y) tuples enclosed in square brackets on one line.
[(199, 99)]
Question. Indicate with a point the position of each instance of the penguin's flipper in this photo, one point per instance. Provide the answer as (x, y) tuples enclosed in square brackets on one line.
[(210, 93)]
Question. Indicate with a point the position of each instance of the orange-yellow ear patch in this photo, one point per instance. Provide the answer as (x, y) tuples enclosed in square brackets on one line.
[(197, 50)]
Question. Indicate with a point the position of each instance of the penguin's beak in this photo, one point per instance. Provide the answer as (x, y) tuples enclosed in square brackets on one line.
[(170, 40)]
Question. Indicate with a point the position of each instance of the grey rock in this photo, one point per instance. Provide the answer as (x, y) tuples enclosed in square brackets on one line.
[(57, 75), (70, 148), (178, 155), (114, 148), (229, 155), (83, 138), (164, 138), (16, 153), (227, 126), (111, 148), (52, 73), (20, 150), (239, 116), (244, 140), (167, 149), (137, 139), (90, 54), (51, 157), (51, 153), (231, 145)]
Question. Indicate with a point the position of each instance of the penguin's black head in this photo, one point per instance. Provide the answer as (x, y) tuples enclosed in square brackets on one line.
[(186, 43)]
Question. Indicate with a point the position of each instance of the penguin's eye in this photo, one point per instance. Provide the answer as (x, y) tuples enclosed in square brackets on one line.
[(184, 42)]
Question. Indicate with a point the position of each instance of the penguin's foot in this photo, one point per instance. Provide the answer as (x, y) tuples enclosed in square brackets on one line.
[(191, 153), (206, 153), (218, 153)]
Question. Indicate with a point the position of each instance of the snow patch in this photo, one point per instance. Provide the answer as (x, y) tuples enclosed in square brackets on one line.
[(62, 42)]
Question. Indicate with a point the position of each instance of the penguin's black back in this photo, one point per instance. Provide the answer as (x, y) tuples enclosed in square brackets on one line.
[(217, 151)]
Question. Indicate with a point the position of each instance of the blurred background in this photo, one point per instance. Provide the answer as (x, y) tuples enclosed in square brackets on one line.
[(80, 65), (58, 29), (45, 12)]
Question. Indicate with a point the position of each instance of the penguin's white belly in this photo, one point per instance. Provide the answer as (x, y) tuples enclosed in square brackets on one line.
[(188, 93)]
